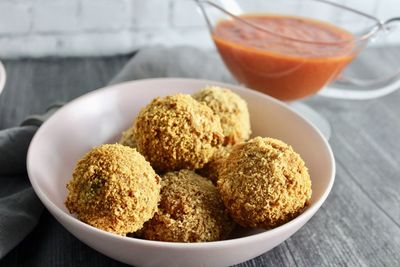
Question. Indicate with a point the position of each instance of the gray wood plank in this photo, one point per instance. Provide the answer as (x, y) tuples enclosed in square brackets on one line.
[(349, 230), (365, 137), (33, 85)]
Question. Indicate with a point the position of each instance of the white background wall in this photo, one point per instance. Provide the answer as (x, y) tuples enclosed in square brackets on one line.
[(35, 28)]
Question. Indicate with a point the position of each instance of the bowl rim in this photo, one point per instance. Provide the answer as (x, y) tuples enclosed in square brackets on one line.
[(3, 76), (59, 213)]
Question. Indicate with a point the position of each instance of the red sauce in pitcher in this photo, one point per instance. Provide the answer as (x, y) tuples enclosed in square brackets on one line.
[(311, 54)]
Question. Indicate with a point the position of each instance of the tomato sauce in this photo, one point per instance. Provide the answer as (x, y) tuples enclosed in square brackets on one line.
[(286, 57)]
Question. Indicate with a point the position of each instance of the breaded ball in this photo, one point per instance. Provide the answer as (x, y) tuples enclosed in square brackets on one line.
[(212, 168), (127, 138), (190, 210), (113, 188), (177, 132), (264, 183), (232, 111)]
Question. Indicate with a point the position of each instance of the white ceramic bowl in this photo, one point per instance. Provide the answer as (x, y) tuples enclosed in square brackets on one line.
[(2, 77), (100, 116)]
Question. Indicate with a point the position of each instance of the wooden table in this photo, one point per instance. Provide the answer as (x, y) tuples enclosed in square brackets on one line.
[(359, 224)]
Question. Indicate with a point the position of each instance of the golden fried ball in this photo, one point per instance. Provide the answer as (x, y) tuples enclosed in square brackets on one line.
[(190, 210), (212, 168), (113, 188), (177, 132), (127, 138), (264, 183), (232, 111)]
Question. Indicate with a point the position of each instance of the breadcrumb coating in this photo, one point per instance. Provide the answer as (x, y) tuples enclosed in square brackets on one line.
[(264, 183), (190, 210), (127, 138), (177, 132), (113, 188), (212, 168), (232, 111)]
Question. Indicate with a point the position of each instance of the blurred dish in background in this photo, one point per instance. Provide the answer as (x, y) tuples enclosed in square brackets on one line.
[(2, 77)]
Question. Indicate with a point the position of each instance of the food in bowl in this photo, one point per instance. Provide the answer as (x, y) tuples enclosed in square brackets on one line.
[(55, 149), (127, 138), (114, 189), (190, 210), (260, 183), (177, 132), (232, 111), (212, 168), (264, 183)]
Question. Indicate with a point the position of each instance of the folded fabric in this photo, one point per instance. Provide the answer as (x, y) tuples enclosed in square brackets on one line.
[(182, 61), (19, 206)]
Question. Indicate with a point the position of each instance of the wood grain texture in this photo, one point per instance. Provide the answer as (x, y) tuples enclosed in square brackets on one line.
[(359, 224), (33, 85)]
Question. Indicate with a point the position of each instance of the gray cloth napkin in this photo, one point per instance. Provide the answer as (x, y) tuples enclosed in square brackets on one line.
[(182, 61), (19, 207)]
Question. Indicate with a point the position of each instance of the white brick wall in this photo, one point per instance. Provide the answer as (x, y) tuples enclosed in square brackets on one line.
[(55, 16), (15, 17), (104, 15), (184, 14), (35, 28), (153, 14)]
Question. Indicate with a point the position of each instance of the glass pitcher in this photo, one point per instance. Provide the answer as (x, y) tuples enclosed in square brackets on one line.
[(292, 65)]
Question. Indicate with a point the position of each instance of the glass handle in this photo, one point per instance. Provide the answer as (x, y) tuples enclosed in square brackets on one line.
[(372, 88)]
